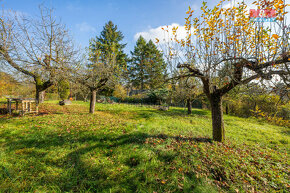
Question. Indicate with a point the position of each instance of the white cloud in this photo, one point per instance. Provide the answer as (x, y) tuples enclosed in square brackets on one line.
[(235, 2), (153, 33), (85, 27), (71, 7), (249, 4), (158, 32)]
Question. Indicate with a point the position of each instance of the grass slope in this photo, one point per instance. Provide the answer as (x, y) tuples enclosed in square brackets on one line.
[(124, 148)]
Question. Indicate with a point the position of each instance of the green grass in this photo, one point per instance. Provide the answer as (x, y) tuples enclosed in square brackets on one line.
[(123, 148)]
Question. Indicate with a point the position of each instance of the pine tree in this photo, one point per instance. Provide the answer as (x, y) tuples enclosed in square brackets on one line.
[(138, 65), (147, 68), (108, 43), (156, 66)]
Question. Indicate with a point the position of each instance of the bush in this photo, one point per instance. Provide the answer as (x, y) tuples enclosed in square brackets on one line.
[(158, 96), (245, 104), (258, 113), (120, 92), (284, 111), (63, 89)]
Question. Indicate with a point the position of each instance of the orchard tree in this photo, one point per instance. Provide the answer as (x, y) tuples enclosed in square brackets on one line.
[(103, 66), (227, 40), (187, 89), (39, 47), (98, 72)]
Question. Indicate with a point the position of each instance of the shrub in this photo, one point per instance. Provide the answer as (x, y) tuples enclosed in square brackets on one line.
[(158, 96), (120, 92), (258, 113), (63, 89)]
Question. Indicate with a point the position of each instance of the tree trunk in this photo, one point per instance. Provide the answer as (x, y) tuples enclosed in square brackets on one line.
[(39, 95), (217, 118), (93, 101), (42, 96), (189, 106), (227, 109)]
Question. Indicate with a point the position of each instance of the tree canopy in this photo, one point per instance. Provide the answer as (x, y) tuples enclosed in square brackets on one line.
[(226, 41), (109, 42), (147, 68)]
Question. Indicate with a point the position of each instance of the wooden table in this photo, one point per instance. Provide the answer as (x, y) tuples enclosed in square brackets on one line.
[(26, 105)]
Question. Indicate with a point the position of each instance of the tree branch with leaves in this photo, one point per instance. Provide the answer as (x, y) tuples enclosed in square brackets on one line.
[(226, 41)]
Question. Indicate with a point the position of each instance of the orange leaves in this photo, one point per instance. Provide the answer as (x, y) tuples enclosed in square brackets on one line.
[(157, 40), (219, 31), (189, 12), (174, 29), (275, 36)]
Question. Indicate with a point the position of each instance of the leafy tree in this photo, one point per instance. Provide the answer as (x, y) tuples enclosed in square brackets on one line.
[(7, 84), (158, 96), (226, 39), (186, 90), (120, 92)]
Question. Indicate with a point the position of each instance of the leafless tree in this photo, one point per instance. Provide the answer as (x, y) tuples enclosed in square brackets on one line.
[(39, 47), (96, 74)]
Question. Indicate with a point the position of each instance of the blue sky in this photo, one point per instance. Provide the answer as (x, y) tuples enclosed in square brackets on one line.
[(85, 19)]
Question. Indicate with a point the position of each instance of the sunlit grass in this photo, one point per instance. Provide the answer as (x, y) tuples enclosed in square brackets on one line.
[(126, 148)]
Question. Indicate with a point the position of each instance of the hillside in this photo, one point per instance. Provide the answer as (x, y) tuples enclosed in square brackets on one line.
[(126, 148)]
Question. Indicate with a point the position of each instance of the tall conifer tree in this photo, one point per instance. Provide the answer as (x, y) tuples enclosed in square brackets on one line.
[(147, 68), (109, 44)]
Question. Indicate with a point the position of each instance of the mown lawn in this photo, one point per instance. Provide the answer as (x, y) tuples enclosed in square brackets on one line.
[(123, 148)]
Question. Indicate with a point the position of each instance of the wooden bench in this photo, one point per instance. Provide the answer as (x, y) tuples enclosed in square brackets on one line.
[(26, 105)]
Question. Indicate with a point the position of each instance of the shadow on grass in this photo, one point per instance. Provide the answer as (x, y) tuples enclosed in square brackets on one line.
[(149, 112), (80, 175)]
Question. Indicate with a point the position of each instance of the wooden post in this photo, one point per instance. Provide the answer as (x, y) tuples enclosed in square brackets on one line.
[(16, 105), (36, 107), (9, 106), (29, 106), (26, 105), (10, 110), (22, 108)]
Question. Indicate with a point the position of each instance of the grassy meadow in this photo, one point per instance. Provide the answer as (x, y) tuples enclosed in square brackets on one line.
[(127, 148)]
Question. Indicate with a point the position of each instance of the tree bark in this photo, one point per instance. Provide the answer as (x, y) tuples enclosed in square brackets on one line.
[(227, 109), (37, 95), (189, 106), (217, 118), (40, 89), (42, 96), (93, 101)]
